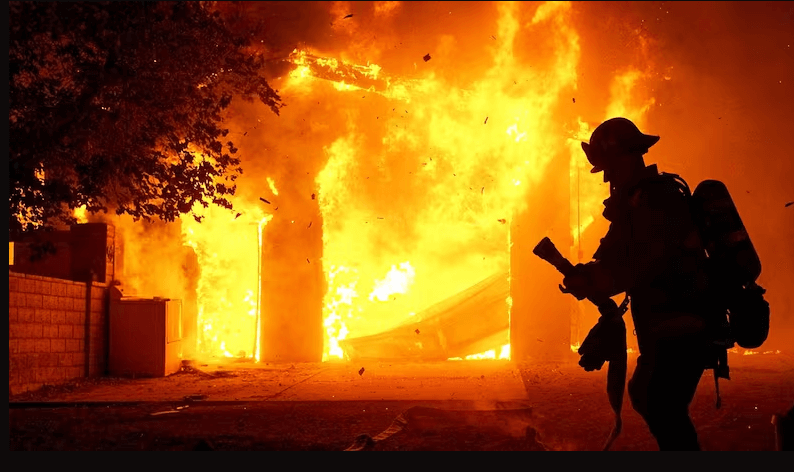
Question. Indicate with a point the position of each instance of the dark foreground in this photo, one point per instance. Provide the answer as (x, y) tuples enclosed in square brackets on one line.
[(484, 405)]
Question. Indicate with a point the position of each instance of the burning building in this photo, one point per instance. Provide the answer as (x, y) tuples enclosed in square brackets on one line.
[(385, 194)]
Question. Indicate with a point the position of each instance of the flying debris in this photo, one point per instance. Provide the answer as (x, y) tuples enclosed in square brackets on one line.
[(426, 57), (348, 16), (237, 215), (789, 204), (313, 196), (503, 221), (486, 121), (416, 330), (361, 371), (493, 37), (574, 99), (310, 224), (264, 200)]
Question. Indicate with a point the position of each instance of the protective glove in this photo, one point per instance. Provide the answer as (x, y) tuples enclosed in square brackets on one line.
[(606, 341), (578, 282)]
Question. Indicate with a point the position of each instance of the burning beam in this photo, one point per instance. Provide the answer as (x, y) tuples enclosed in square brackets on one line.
[(343, 74)]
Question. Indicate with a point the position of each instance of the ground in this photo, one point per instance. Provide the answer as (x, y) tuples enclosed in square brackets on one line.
[(463, 405)]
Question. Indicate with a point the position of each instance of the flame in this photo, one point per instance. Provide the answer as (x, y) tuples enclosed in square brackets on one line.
[(483, 355), (424, 184), (575, 349), (338, 305), (504, 353), (272, 184), (228, 287), (81, 214), (750, 352), (396, 281)]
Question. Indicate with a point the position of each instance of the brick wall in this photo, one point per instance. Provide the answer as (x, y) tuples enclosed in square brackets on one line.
[(57, 331)]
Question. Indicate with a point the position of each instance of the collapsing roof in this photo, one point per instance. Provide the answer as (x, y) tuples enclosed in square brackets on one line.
[(473, 321)]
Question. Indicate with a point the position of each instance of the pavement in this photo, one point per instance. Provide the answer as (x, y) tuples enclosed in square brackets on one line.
[(463, 405), (246, 381)]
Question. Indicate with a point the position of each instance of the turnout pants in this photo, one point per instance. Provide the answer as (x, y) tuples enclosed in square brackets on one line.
[(662, 387)]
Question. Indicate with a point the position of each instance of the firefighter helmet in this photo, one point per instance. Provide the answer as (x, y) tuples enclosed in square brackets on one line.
[(612, 137)]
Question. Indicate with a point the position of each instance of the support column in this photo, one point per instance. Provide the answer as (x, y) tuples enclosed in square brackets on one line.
[(540, 317), (293, 281)]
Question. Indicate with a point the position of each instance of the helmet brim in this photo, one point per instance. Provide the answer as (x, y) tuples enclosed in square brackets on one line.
[(646, 141), (649, 140)]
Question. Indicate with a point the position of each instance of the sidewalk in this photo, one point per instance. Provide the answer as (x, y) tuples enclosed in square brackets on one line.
[(327, 406)]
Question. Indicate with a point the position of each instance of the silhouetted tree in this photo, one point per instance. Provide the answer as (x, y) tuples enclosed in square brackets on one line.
[(119, 105)]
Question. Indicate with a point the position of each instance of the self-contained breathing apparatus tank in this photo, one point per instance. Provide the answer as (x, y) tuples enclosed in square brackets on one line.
[(735, 265)]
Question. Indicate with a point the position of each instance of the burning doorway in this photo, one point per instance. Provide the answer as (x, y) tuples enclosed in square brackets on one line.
[(227, 283)]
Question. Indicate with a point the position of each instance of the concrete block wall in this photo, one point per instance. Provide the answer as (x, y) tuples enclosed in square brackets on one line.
[(57, 331)]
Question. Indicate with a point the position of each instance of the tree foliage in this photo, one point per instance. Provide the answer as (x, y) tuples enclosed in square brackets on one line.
[(118, 105)]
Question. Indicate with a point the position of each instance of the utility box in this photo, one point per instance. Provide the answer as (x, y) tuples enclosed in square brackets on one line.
[(145, 337)]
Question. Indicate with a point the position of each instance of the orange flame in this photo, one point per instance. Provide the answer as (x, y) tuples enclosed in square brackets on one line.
[(228, 300), (445, 144), (81, 214)]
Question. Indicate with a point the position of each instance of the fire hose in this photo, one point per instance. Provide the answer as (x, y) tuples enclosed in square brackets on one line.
[(606, 341)]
